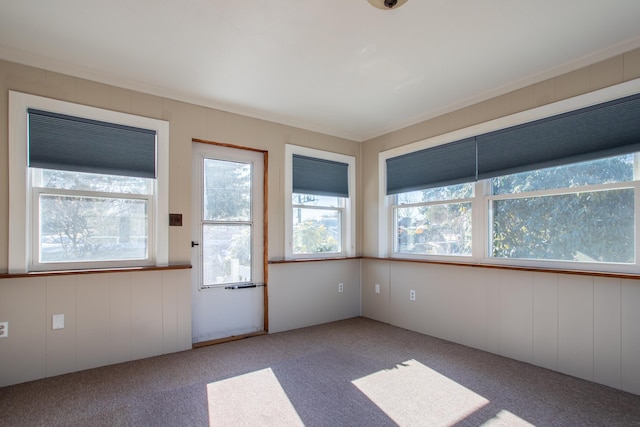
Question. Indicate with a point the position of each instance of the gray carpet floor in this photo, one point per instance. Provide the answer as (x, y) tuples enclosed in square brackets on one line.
[(356, 372)]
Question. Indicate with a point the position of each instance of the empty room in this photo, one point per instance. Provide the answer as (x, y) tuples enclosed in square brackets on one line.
[(373, 212)]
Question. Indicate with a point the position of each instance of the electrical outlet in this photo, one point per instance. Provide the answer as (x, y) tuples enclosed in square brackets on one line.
[(4, 329), (340, 287), (57, 321), (412, 295), (377, 288)]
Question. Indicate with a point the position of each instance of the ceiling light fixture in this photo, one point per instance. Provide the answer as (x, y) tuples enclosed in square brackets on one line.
[(387, 4)]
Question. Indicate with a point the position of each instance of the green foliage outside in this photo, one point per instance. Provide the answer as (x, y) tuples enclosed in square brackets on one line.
[(590, 226), (595, 226), (311, 237)]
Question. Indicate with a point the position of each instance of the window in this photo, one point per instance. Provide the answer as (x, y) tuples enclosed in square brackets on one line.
[(559, 191), (435, 221), (88, 187), (317, 224), (320, 203), (80, 217), (582, 212)]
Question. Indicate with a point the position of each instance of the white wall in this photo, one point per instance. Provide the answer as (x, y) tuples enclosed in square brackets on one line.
[(584, 326), (108, 318), (306, 293)]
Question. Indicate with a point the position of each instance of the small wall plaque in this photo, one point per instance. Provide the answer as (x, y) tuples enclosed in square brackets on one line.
[(175, 220)]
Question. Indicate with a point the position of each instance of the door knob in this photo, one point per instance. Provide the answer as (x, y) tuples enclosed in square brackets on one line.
[(194, 243)]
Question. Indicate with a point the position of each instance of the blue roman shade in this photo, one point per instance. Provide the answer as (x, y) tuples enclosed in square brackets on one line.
[(603, 130), (447, 164), (320, 177), (62, 142), (608, 129)]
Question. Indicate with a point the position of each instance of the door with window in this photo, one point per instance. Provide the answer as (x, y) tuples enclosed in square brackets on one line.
[(227, 242)]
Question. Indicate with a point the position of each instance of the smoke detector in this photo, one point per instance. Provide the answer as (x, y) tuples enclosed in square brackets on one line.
[(387, 4)]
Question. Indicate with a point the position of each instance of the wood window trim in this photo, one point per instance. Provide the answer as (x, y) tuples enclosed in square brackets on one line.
[(95, 271), (469, 264)]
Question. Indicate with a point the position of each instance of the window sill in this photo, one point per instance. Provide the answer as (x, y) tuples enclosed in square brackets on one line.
[(296, 260), (95, 271), (514, 268)]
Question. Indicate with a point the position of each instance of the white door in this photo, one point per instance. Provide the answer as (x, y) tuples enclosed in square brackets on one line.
[(227, 242)]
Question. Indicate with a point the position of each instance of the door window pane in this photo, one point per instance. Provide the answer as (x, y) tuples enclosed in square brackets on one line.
[(227, 191), (226, 253)]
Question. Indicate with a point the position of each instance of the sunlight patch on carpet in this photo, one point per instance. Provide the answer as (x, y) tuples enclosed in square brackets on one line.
[(505, 418), (413, 394), (252, 399)]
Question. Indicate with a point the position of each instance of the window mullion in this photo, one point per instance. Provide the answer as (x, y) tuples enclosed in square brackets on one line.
[(481, 220), (328, 208), (223, 222), (563, 191), (434, 203), (94, 194)]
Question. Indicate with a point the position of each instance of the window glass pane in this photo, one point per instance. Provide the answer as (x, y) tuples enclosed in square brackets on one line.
[(226, 254), (610, 170), (315, 200), (316, 230), (450, 192), (92, 229), (66, 180), (586, 227), (227, 190), (434, 230)]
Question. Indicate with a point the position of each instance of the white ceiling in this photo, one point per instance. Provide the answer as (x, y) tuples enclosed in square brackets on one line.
[(341, 67)]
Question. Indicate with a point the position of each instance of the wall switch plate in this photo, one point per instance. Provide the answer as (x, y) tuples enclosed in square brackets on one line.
[(377, 288), (58, 321), (4, 329), (340, 287), (412, 295), (175, 220)]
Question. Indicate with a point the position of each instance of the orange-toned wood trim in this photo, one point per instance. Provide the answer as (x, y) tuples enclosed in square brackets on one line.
[(265, 237), (265, 204), (293, 261), (95, 271), (516, 268), (224, 144), (462, 264), (227, 339)]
